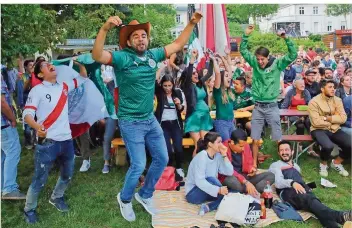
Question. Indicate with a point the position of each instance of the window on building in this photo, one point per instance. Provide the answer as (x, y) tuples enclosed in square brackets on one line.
[(178, 18), (316, 27), (315, 9), (329, 26), (301, 10), (343, 25)]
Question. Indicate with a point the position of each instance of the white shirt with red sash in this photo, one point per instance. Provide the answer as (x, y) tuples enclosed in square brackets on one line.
[(43, 99)]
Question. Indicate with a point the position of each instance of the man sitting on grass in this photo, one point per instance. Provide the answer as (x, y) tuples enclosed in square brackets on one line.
[(244, 179), (291, 188)]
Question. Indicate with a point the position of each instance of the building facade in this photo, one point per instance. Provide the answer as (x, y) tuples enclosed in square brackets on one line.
[(304, 19)]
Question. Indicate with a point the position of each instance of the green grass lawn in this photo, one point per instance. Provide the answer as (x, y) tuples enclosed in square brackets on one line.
[(92, 195)]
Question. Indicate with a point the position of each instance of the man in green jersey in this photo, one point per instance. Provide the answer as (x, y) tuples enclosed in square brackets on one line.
[(135, 69)]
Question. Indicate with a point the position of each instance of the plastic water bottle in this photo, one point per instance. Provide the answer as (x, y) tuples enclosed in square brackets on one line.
[(268, 195)]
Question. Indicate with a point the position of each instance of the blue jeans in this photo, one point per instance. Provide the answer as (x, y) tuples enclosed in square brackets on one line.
[(10, 156), (45, 156), (137, 134), (224, 128), (110, 128), (198, 196)]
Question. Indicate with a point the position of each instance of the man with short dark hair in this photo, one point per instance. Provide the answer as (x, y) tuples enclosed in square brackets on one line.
[(310, 84), (329, 74), (266, 87), (291, 188), (48, 102), (135, 66), (326, 114)]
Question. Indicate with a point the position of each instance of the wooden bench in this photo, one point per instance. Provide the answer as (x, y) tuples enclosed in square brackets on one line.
[(297, 139), (120, 154)]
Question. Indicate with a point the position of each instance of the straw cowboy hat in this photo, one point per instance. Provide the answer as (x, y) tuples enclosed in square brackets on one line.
[(127, 30)]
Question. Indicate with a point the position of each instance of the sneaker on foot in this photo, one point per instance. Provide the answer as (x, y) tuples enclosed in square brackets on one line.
[(85, 166), (346, 217), (30, 216), (126, 210), (15, 195), (106, 169), (203, 209), (323, 170), (146, 203), (180, 172), (339, 168), (60, 204)]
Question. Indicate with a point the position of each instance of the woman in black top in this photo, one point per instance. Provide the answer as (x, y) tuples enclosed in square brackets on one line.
[(168, 113)]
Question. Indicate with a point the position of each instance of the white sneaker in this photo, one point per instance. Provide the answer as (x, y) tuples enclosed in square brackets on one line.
[(323, 170), (126, 210), (148, 204), (339, 168), (85, 166), (180, 172)]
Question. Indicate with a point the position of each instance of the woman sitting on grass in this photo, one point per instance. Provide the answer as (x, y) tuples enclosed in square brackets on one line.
[(202, 184)]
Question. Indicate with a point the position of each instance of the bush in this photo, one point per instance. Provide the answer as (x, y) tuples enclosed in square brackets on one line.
[(315, 38), (277, 45)]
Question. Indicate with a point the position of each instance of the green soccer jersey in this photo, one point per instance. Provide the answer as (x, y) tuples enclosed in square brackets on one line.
[(136, 79), (243, 100)]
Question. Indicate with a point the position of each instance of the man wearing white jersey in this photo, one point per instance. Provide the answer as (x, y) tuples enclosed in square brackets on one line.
[(48, 102)]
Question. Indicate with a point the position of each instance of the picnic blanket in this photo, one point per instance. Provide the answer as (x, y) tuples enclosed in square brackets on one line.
[(175, 211)]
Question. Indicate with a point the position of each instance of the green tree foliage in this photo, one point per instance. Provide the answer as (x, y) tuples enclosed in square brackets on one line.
[(276, 44), (240, 13), (161, 17), (235, 29), (26, 29), (316, 37), (339, 9), (83, 21)]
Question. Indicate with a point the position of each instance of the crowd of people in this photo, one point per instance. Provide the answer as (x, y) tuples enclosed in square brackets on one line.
[(157, 104)]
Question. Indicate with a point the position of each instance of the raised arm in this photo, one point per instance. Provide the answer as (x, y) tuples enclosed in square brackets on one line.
[(217, 82), (228, 62), (183, 38), (210, 71), (98, 52), (189, 70), (172, 62), (283, 62), (249, 57)]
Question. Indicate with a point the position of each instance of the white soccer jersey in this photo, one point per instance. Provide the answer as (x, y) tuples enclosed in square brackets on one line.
[(42, 100)]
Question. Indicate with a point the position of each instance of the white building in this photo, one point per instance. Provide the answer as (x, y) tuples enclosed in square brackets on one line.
[(304, 19), (181, 18)]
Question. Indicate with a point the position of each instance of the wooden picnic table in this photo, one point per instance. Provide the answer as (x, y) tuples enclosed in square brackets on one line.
[(292, 112), (237, 115)]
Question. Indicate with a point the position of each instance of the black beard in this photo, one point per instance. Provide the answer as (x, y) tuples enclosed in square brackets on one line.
[(286, 159)]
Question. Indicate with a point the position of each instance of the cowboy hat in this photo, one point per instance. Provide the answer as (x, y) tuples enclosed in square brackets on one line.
[(127, 30)]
